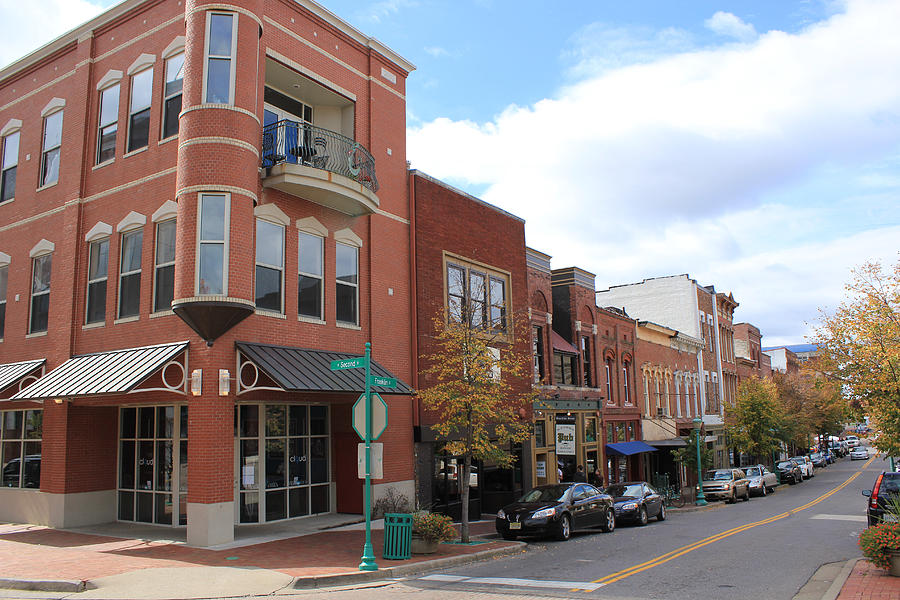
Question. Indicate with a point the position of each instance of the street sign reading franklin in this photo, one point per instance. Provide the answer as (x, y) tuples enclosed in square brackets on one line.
[(385, 382), (348, 363)]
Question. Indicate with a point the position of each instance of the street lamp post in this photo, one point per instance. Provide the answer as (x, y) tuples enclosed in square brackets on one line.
[(701, 499)]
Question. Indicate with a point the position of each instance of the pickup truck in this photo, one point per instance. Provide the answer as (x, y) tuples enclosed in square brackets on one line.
[(727, 485), (762, 480)]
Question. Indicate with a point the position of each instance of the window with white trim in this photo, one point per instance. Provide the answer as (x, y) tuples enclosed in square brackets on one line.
[(213, 244), (609, 372), (98, 268), (625, 374), (40, 293), (9, 164), (347, 285), (311, 265), (20, 448), (269, 265), (108, 123), (130, 273), (172, 94), (139, 110), (4, 279), (164, 268), (478, 295), (220, 48), (51, 147)]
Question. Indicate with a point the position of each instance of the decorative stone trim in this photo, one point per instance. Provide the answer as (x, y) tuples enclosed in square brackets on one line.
[(174, 47), (112, 77), (42, 247), (141, 62), (313, 226), (271, 212), (4, 259), (168, 210), (346, 236), (12, 126), (98, 232), (53, 106), (132, 220)]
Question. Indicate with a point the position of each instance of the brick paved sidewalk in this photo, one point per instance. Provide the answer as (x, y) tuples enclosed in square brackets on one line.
[(39, 553), (868, 582)]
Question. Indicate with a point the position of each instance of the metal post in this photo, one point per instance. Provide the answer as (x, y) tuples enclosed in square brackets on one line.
[(368, 557), (701, 499)]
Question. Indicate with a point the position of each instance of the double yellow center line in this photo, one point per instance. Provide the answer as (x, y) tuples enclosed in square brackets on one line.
[(620, 575)]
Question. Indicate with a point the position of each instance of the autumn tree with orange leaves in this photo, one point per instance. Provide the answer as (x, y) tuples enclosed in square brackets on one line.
[(474, 386), (860, 348)]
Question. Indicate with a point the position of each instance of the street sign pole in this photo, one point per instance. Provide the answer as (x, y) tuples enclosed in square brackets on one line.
[(368, 557)]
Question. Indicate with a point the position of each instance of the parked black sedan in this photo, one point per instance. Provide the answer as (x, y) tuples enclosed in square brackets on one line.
[(637, 501), (789, 471), (556, 510)]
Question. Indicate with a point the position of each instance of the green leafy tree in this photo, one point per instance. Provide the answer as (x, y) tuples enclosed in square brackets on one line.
[(474, 385), (860, 348), (753, 420), (687, 456)]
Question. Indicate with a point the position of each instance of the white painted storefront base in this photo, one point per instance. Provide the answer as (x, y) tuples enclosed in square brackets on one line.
[(210, 524), (57, 510)]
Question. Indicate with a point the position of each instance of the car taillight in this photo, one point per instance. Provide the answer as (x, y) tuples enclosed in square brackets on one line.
[(873, 503)]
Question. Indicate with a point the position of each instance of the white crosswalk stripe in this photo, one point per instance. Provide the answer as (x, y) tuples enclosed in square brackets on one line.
[(859, 518), (515, 582)]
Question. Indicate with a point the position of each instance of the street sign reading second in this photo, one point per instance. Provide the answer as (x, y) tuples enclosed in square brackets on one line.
[(348, 363), (385, 382), (379, 416)]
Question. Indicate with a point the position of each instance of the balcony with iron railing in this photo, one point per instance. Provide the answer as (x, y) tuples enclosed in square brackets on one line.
[(319, 165)]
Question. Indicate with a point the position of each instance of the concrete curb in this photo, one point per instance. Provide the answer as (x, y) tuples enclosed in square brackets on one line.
[(835, 588), (320, 581), (43, 585)]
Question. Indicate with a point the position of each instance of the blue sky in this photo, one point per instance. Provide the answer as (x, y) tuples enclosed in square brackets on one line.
[(752, 144)]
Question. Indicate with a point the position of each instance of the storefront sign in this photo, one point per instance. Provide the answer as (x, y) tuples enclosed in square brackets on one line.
[(565, 439), (541, 469)]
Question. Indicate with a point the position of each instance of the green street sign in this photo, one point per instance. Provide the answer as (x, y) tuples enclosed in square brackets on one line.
[(385, 382), (379, 416), (348, 363)]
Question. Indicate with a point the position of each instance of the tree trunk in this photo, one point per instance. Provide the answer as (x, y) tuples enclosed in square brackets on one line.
[(464, 496)]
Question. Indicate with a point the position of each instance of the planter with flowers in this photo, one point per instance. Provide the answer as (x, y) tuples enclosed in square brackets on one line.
[(881, 545), (429, 530)]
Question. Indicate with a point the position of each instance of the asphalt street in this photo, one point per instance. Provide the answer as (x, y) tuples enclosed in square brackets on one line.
[(766, 548)]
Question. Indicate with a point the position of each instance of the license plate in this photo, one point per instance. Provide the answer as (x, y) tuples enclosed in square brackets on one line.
[(889, 518), (515, 526)]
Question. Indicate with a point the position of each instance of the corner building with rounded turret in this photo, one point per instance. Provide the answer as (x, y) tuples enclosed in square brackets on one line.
[(203, 205)]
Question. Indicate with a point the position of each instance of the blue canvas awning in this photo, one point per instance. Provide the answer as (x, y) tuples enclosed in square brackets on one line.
[(629, 448)]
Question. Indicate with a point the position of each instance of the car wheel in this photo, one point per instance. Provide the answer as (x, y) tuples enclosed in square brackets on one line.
[(610, 522), (563, 528), (733, 498), (765, 491), (662, 513), (747, 495), (508, 536), (642, 519)]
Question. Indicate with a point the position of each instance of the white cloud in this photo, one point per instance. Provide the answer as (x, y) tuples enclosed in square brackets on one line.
[(37, 23), (378, 11), (727, 24), (669, 166), (436, 51)]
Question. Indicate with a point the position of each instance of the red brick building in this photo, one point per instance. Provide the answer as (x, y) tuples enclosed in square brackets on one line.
[(467, 254), (751, 360), (202, 205)]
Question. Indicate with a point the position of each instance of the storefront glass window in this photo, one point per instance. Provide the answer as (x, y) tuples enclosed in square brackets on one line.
[(540, 439), (20, 448), (590, 430)]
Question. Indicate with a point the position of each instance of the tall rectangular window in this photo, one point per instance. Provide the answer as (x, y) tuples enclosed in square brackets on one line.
[(9, 163), (311, 267), (172, 99), (456, 292), (98, 267), (130, 274), (51, 147), (164, 269), (108, 123), (4, 278), (586, 362), (564, 368), (219, 53), (269, 265), (40, 293), (347, 288), (139, 110), (20, 448), (609, 372), (477, 299), (625, 375), (497, 299), (537, 351), (213, 227)]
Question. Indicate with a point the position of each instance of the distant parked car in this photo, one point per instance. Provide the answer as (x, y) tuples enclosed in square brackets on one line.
[(727, 485), (637, 501), (886, 488), (818, 460), (762, 480), (859, 453), (556, 510), (852, 441), (805, 465), (789, 471)]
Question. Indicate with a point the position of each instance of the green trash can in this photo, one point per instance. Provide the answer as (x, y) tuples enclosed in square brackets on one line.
[(397, 536)]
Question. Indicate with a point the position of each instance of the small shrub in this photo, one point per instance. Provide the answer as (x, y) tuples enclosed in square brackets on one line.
[(433, 526), (879, 542)]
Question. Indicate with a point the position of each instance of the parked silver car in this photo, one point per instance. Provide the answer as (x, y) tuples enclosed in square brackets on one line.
[(726, 484), (762, 480)]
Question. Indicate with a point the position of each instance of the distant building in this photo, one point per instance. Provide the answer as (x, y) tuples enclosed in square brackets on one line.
[(751, 361), (783, 359)]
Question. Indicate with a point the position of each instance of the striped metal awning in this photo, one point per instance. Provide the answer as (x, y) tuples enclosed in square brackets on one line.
[(13, 373), (304, 370), (113, 372)]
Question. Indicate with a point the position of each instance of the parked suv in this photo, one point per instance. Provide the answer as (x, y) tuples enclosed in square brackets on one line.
[(887, 486), (789, 471), (726, 484), (806, 466)]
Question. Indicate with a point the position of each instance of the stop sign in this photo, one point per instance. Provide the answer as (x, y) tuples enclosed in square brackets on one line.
[(379, 416)]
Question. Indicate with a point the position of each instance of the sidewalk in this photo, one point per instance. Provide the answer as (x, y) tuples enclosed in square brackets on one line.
[(40, 558), (868, 582)]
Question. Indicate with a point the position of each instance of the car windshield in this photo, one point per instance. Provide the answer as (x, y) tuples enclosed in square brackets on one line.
[(549, 493), (785, 464), (753, 472), (800, 459), (718, 475), (624, 490)]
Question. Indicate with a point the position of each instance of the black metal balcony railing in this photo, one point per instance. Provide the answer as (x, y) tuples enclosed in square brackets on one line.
[(304, 144)]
